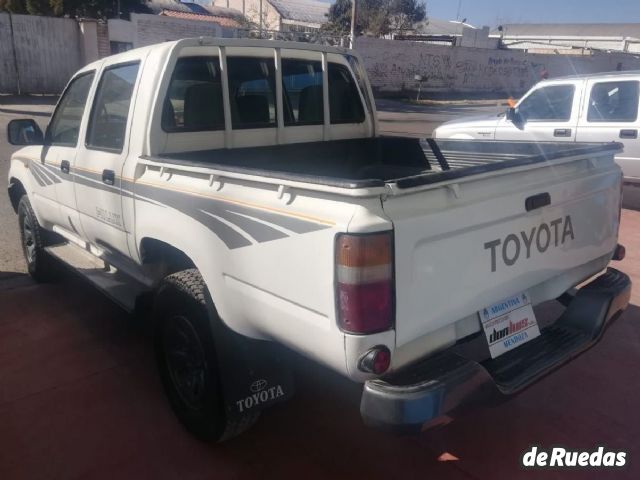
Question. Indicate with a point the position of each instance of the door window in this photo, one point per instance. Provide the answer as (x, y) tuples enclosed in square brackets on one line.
[(252, 92), (108, 122), (302, 91), (194, 99), (614, 102), (65, 124), (553, 103)]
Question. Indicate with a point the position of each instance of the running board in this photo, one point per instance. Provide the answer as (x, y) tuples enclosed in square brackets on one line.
[(119, 287)]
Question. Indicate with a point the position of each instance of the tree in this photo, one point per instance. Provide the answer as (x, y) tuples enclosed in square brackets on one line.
[(13, 6), (73, 8), (375, 17)]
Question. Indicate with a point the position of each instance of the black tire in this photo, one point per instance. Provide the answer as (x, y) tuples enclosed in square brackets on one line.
[(33, 239), (187, 361)]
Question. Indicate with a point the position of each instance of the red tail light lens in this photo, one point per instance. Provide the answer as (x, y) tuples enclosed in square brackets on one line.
[(364, 287)]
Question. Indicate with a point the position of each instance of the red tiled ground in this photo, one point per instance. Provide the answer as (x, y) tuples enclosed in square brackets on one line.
[(80, 398)]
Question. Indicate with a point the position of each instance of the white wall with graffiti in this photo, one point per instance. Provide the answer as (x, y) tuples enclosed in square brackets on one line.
[(393, 66)]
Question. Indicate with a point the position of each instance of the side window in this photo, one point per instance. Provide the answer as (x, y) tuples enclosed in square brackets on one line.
[(302, 92), (344, 100), (553, 103), (65, 124), (108, 122), (252, 92), (194, 99), (614, 102)]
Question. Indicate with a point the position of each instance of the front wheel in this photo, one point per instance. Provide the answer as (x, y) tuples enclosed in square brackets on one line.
[(33, 239), (187, 361)]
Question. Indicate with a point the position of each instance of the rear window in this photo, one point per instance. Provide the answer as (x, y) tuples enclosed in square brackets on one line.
[(344, 100), (194, 99), (252, 92), (302, 92), (613, 102)]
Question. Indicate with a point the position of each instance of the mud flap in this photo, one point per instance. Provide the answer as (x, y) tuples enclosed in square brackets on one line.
[(254, 374)]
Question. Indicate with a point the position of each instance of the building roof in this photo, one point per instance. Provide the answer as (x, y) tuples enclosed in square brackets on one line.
[(307, 11), (160, 6), (222, 21), (435, 26), (581, 30)]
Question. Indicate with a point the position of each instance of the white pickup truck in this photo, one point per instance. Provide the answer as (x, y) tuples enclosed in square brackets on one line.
[(241, 186), (602, 107)]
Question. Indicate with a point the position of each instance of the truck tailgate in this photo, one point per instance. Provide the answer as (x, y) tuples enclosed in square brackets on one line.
[(465, 243)]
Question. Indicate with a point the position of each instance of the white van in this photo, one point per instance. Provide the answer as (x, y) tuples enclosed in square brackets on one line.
[(593, 108)]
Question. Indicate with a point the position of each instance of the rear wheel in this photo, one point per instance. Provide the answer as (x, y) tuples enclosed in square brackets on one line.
[(187, 361), (34, 238)]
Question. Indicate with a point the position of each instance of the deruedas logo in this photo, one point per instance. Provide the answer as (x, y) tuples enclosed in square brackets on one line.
[(536, 457)]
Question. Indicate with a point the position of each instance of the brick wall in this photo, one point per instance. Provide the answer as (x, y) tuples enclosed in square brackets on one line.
[(104, 48)]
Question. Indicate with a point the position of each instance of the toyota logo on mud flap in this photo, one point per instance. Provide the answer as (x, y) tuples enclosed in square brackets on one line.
[(258, 385)]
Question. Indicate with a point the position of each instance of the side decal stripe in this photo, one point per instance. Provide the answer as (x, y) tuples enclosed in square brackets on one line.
[(38, 177), (46, 173)]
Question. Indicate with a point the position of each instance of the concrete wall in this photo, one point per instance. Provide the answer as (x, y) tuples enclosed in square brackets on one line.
[(149, 29), (393, 65), (48, 52), (8, 74)]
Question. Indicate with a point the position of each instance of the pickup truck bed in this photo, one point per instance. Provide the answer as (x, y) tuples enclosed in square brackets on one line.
[(372, 162)]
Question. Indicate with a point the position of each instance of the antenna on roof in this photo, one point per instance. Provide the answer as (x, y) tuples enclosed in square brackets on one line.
[(459, 8)]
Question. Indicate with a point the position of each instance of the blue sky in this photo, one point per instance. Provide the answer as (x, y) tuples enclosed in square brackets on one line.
[(494, 12)]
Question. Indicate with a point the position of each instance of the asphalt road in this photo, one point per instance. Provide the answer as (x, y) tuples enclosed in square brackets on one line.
[(38, 108)]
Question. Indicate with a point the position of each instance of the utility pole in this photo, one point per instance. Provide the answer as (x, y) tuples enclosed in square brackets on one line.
[(354, 14), (459, 8), (260, 18)]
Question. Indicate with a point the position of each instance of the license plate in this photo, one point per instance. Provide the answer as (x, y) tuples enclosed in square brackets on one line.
[(509, 323)]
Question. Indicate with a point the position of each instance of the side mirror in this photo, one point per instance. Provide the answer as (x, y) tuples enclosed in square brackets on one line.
[(24, 131)]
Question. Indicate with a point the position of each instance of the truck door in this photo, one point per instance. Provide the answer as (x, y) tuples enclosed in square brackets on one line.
[(53, 185), (547, 114), (612, 116), (100, 160)]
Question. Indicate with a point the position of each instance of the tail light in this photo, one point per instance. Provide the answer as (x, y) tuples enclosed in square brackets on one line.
[(364, 282)]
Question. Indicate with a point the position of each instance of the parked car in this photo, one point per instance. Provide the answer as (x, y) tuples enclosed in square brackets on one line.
[(240, 188), (587, 108)]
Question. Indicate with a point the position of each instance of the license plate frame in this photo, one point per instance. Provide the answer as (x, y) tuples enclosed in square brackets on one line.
[(509, 323)]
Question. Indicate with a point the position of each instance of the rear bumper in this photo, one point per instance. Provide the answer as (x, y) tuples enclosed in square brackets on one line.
[(406, 400)]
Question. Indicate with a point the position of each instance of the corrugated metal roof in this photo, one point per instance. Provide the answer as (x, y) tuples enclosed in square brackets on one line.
[(222, 21), (570, 30), (435, 26), (158, 6), (307, 11)]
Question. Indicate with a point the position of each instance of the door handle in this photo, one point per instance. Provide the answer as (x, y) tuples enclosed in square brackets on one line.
[(108, 177), (562, 132), (629, 133), (65, 166)]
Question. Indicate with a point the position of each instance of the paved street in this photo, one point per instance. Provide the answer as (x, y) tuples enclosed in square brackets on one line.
[(80, 397)]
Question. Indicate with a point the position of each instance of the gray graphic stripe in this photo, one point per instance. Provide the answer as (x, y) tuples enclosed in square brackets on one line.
[(37, 177), (228, 235), (259, 231), (46, 173)]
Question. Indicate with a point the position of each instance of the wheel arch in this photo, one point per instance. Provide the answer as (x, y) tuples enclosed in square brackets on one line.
[(16, 190)]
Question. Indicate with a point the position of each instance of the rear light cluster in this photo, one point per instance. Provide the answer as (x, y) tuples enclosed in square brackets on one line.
[(364, 282)]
